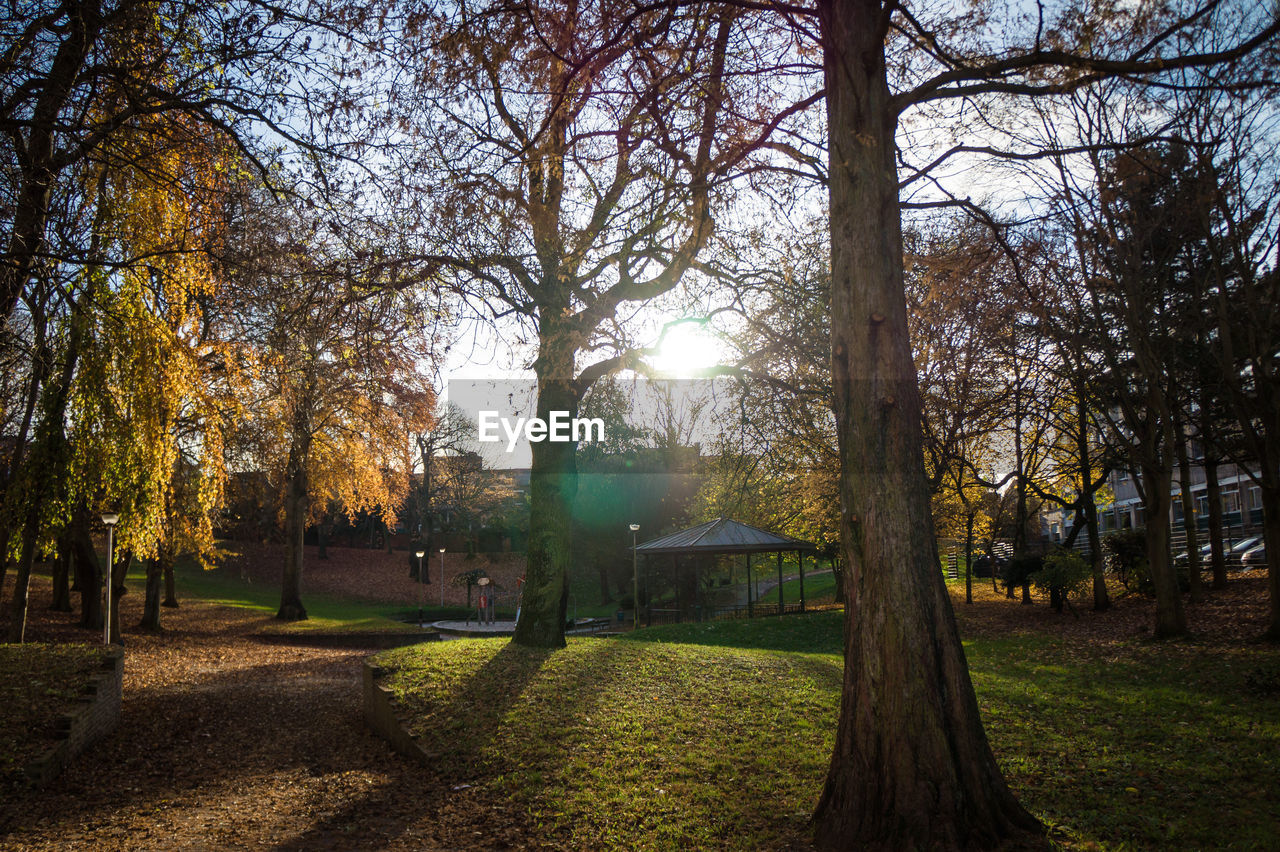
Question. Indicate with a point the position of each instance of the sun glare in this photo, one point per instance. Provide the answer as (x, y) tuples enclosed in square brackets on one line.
[(687, 349)]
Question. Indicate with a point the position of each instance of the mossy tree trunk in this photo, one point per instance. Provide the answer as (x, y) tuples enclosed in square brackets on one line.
[(553, 482)]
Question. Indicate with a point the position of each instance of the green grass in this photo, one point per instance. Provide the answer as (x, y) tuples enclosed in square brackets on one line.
[(629, 745), (324, 614), (819, 588), (815, 633), (718, 735)]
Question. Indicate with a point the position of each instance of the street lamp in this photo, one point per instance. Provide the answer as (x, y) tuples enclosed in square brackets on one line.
[(110, 519), (421, 593), (442, 577), (635, 580)]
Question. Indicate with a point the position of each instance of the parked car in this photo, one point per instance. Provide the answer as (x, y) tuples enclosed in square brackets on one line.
[(982, 566), (1181, 558), (1254, 557), (1237, 551)]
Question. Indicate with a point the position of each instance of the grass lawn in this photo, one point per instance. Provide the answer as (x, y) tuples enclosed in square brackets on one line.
[(38, 684), (221, 586), (819, 589), (718, 735)]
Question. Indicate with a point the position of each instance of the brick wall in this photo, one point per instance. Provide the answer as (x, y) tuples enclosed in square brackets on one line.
[(380, 714), (97, 716)]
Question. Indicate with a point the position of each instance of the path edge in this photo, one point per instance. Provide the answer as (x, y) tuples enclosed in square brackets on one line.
[(380, 714)]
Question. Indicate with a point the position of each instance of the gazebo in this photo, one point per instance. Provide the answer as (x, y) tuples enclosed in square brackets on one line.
[(725, 536)]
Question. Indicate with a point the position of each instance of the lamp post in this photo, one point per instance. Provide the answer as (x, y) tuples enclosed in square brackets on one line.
[(110, 519), (421, 592), (442, 577), (635, 580)]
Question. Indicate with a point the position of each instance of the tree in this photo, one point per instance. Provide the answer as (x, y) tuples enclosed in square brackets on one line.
[(1235, 213), (572, 159), (337, 386), (78, 72), (911, 767)]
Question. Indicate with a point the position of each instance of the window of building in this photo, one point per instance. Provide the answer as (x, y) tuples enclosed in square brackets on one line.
[(1230, 501)]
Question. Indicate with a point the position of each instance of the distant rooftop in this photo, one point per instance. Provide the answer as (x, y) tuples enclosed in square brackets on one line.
[(723, 535)]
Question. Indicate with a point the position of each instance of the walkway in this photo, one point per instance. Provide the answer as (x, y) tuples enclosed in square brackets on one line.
[(230, 743)]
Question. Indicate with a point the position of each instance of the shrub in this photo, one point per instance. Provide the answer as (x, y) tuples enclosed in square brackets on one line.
[(1126, 555), (1063, 574)]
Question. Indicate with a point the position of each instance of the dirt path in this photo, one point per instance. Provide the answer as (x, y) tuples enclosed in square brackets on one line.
[(230, 743)]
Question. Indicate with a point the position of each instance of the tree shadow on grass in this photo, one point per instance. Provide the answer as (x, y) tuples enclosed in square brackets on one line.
[(455, 736), (457, 730)]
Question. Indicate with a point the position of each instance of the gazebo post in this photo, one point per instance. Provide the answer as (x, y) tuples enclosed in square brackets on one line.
[(780, 609), (648, 586), (751, 610), (800, 557), (675, 576)]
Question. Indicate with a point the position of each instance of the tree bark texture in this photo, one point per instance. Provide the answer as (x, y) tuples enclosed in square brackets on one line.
[(119, 570), (1271, 535), (88, 572), (1213, 496), (62, 576), (553, 482), (295, 525), (1171, 617), (151, 603), (1194, 578), (911, 767), (170, 592)]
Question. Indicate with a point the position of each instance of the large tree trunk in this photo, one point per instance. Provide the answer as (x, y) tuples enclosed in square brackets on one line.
[(911, 767), (151, 604), (39, 165), (39, 370), (1195, 581), (968, 557), (170, 592), (1171, 618), (88, 572), (62, 575), (295, 524), (119, 570), (1271, 535), (1213, 496), (22, 578), (553, 482), (1101, 599)]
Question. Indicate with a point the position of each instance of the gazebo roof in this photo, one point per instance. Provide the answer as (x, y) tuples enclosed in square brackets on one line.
[(723, 536)]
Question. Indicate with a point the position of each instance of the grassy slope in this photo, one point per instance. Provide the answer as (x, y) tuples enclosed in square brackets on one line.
[(718, 735), (629, 745)]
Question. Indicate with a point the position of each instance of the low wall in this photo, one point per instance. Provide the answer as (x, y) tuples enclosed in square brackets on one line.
[(380, 714), (97, 716)]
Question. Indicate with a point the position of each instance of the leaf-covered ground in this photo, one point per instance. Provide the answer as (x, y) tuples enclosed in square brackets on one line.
[(228, 742), (38, 684)]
